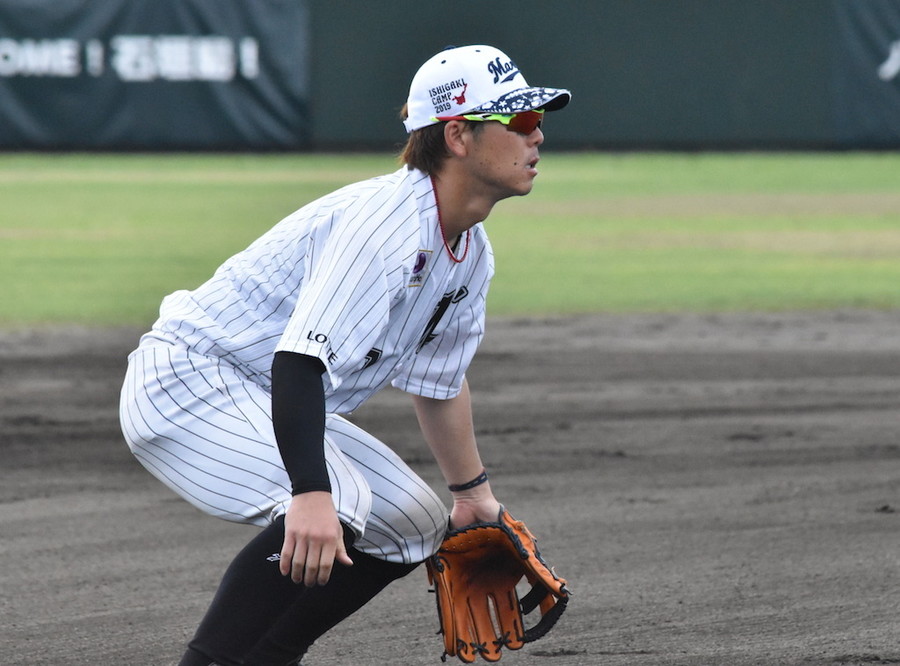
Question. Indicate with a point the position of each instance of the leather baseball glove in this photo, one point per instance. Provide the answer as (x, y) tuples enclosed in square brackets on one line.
[(475, 574)]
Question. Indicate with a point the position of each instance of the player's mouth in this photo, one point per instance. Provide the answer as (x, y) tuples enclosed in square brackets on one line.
[(532, 165)]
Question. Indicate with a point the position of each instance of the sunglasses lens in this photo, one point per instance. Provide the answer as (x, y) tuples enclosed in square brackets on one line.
[(525, 123)]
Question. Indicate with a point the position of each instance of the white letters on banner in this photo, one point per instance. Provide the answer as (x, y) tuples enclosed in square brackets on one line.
[(45, 57), (891, 67), (134, 58)]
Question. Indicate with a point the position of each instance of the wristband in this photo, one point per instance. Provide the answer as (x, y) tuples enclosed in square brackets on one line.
[(477, 481)]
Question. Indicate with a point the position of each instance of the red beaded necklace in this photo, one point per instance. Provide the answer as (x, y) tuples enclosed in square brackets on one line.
[(444, 235)]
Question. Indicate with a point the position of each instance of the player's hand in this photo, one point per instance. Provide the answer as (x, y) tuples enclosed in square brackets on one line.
[(472, 506), (313, 539)]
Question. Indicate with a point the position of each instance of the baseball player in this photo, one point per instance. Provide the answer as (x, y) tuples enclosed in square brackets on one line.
[(237, 397)]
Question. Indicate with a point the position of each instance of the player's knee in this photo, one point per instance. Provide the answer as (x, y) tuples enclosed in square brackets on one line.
[(432, 529)]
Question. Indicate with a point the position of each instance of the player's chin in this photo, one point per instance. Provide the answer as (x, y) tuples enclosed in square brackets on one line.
[(527, 183), (519, 186)]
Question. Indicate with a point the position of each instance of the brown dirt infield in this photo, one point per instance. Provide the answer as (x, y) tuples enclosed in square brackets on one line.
[(717, 489)]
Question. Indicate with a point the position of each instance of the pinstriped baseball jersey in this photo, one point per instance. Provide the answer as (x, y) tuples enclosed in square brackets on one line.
[(359, 279)]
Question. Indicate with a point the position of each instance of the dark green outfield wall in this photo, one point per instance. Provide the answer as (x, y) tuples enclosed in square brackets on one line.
[(333, 74), (643, 72)]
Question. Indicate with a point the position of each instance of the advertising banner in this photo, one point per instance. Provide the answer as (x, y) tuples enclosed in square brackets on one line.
[(154, 74)]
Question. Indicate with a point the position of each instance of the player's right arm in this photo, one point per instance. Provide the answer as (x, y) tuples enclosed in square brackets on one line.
[(313, 536)]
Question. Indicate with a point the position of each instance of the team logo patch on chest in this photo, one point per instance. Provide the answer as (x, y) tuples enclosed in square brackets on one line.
[(421, 268), (451, 297)]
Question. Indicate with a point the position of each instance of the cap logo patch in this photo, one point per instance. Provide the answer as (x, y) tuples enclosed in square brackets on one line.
[(442, 94), (503, 71)]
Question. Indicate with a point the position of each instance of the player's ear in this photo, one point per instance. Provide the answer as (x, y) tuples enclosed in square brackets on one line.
[(457, 135)]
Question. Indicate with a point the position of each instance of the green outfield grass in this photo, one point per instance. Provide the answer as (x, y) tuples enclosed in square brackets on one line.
[(100, 239)]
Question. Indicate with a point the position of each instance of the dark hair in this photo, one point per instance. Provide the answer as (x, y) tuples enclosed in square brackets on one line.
[(426, 149)]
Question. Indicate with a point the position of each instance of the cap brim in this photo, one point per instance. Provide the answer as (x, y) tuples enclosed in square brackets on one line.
[(527, 99)]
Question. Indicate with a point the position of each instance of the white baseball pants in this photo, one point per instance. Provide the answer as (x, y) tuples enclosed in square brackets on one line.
[(205, 430)]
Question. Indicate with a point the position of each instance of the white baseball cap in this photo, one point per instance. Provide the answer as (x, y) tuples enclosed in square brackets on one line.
[(474, 79)]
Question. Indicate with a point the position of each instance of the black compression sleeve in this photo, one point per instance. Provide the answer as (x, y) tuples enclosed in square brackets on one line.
[(298, 416)]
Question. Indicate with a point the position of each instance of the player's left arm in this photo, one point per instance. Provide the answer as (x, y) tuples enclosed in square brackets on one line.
[(448, 428)]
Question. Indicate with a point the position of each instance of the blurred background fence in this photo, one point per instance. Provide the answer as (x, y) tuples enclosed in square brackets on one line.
[(332, 75)]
